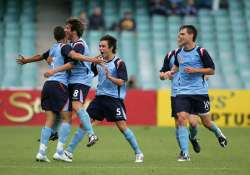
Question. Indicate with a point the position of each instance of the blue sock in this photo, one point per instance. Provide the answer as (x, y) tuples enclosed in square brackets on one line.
[(85, 120), (56, 123), (64, 132), (177, 137), (44, 140), (215, 130), (193, 132), (129, 135), (183, 138), (45, 134), (78, 136)]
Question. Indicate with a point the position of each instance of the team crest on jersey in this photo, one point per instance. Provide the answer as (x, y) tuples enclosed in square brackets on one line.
[(180, 59)]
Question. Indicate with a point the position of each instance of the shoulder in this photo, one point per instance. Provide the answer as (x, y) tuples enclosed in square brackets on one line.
[(119, 62), (169, 54), (177, 50), (63, 45), (65, 48), (79, 43), (202, 51)]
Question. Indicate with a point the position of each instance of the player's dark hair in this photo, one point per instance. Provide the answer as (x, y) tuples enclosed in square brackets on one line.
[(59, 33), (111, 42), (190, 30), (76, 25)]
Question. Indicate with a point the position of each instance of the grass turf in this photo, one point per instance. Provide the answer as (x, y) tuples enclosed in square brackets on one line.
[(113, 155)]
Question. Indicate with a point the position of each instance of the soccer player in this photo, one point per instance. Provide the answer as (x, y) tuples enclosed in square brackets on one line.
[(192, 92), (81, 76), (193, 122), (108, 103), (55, 96)]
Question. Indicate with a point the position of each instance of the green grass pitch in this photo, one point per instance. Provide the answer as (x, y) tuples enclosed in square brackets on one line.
[(112, 154)]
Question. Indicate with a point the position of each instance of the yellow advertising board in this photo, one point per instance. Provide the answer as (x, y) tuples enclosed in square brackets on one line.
[(229, 108)]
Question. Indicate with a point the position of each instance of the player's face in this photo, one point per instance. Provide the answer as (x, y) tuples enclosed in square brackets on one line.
[(67, 30), (184, 37), (103, 47), (179, 41)]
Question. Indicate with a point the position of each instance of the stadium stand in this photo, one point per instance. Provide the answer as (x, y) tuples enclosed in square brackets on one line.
[(225, 33), (17, 37)]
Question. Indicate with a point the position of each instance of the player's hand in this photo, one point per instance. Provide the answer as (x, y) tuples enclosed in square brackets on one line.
[(190, 70), (206, 77), (21, 60), (49, 60), (48, 73), (162, 75), (107, 73), (99, 60), (169, 75)]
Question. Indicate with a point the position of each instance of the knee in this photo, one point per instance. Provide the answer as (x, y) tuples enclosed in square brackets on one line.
[(66, 117), (206, 123), (181, 121), (193, 123), (122, 127), (76, 105), (49, 123)]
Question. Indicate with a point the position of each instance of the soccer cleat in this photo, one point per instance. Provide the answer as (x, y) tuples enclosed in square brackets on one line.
[(42, 158), (53, 137), (195, 144), (222, 140), (183, 157), (68, 154), (61, 157), (139, 158), (92, 140)]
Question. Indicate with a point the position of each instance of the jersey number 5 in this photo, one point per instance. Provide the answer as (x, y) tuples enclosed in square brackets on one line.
[(118, 111)]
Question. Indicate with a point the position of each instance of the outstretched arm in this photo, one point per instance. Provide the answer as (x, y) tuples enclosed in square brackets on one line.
[(22, 60), (79, 57)]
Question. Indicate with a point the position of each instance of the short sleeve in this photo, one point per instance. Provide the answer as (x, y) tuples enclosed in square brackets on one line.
[(122, 71), (207, 60), (45, 55)]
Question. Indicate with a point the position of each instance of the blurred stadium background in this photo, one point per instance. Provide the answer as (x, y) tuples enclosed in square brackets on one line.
[(26, 28)]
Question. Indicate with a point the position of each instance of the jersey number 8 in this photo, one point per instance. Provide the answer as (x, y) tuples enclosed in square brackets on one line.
[(75, 94)]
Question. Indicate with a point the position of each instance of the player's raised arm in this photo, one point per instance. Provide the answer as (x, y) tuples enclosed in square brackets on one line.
[(75, 55), (79, 57), (23, 60)]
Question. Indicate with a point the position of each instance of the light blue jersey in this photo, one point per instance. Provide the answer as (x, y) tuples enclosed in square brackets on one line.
[(192, 83), (117, 68), (57, 61), (81, 72)]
